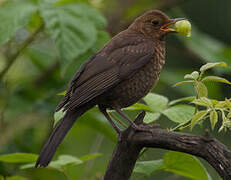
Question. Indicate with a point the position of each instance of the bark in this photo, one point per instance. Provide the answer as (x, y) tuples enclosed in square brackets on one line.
[(131, 143)]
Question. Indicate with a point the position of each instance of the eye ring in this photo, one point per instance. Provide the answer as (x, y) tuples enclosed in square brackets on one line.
[(155, 22)]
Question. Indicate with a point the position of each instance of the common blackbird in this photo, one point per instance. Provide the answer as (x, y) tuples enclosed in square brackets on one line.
[(117, 76)]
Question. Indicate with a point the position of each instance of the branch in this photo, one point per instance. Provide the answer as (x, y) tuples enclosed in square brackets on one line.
[(12, 59), (127, 150)]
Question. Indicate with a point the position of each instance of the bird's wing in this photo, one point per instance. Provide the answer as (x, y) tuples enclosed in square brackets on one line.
[(105, 70)]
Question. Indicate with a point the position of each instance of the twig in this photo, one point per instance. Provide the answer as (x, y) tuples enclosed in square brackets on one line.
[(12, 59), (132, 142)]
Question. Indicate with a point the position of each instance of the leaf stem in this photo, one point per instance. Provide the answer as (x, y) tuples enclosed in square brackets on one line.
[(65, 174), (118, 120), (28, 41), (181, 126)]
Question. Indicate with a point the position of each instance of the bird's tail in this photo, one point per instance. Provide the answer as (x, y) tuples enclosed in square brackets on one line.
[(57, 136)]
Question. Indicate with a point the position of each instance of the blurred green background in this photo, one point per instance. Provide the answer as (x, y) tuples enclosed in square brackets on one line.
[(44, 42)]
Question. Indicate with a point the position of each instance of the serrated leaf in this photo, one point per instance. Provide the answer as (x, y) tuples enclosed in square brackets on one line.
[(215, 79), (148, 167), (156, 102), (187, 99), (183, 82), (201, 89), (213, 118), (197, 117), (138, 106), (228, 103), (180, 113), (72, 26), (151, 117), (18, 158), (64, 161), (211, 65), (58, 116), (89, 157), (203, 102), (185, 165), (13, 16), (16, 178)]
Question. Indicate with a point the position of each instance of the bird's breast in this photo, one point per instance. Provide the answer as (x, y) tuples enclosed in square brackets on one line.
[(137, 85)]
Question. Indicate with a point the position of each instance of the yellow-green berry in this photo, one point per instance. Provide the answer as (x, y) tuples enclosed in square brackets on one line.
[(183, 27)]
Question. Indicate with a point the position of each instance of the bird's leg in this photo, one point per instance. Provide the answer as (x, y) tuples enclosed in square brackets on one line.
[(134, 126), (103, 110)]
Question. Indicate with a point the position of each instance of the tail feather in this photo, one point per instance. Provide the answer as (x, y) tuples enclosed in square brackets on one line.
[(57, 136)]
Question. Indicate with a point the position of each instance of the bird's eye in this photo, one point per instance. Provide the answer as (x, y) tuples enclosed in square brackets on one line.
[(155, 22)]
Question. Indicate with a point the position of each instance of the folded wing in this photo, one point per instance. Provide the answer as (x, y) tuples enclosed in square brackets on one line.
[(104, 71)]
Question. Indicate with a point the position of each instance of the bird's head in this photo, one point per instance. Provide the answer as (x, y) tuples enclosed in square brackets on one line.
[(154, 24)]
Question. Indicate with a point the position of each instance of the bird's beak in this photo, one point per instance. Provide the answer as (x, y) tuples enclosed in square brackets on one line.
[(166, 27)]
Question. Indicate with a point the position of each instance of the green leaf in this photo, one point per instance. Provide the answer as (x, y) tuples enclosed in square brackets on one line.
[(64, 161), (18, 158), (229, 115), (1, 177), (201, 89), (203, 102), (187, 99), (72, 26), (215, 79), (185, 165), (213, 118), (82, 159), (156, 102), (62, 93), (194, 75), (183, 82), (228, 103), (89, 157), (27, 166), (151, 117), (179, 113), (138, 106), (13, 16), (211, 65), (16, 178), (219, 104), (58, 116), (148, 167), (197, 117)]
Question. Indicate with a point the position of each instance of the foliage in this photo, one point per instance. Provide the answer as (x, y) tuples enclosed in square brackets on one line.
[(34, 67), (176, 162), (213, 107)]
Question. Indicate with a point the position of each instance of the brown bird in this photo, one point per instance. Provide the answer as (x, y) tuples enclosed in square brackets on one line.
[(117, 76)]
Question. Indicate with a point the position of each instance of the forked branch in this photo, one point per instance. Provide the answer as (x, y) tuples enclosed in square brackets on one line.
[(127, 150)]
